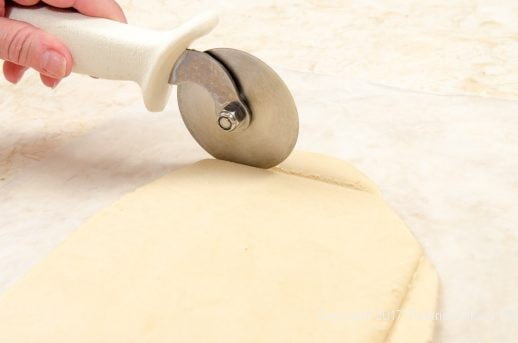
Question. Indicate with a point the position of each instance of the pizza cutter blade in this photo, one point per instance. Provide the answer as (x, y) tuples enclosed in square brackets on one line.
[(236, 107)]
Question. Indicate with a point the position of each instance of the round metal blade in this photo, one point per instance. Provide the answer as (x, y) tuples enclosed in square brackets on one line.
[(274, 125)]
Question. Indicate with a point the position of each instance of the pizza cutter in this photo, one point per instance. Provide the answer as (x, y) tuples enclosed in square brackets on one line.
[(234, 105)]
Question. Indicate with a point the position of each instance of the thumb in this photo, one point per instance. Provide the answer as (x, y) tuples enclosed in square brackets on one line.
[(26, 45)]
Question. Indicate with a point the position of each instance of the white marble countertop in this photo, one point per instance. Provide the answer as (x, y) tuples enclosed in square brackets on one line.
[(422, 97)]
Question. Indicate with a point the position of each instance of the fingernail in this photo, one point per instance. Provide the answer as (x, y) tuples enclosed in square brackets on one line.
[(55, 83), (54, 64), (17, 78)]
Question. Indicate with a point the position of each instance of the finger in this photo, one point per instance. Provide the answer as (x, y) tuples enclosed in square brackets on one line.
[(27, 2), (95, 8), (25, 45), (13, 72), (2, 8), (49, 81)]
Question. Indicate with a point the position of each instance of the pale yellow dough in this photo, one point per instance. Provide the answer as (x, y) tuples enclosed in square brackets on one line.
[(220, 252)]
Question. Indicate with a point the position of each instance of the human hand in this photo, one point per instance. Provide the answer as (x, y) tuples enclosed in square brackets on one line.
[(24, 46)]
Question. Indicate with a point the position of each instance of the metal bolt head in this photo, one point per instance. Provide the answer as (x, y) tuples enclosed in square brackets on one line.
[(233, 116), (227, 120)]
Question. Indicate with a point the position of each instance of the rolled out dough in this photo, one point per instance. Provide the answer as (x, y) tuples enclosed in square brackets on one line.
[(220, 252)]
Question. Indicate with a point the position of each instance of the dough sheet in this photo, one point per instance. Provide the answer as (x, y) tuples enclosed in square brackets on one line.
[(221, 252)]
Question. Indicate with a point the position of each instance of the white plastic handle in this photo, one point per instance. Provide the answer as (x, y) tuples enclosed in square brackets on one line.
[(116, 51)]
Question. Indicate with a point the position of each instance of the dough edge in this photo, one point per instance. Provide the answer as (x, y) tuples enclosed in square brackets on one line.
[(421, 298)]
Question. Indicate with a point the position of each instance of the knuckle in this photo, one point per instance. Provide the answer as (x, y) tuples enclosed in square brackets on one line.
[(20, 44)]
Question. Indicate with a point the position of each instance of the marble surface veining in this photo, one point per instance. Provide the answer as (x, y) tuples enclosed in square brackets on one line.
[(421, 96)]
